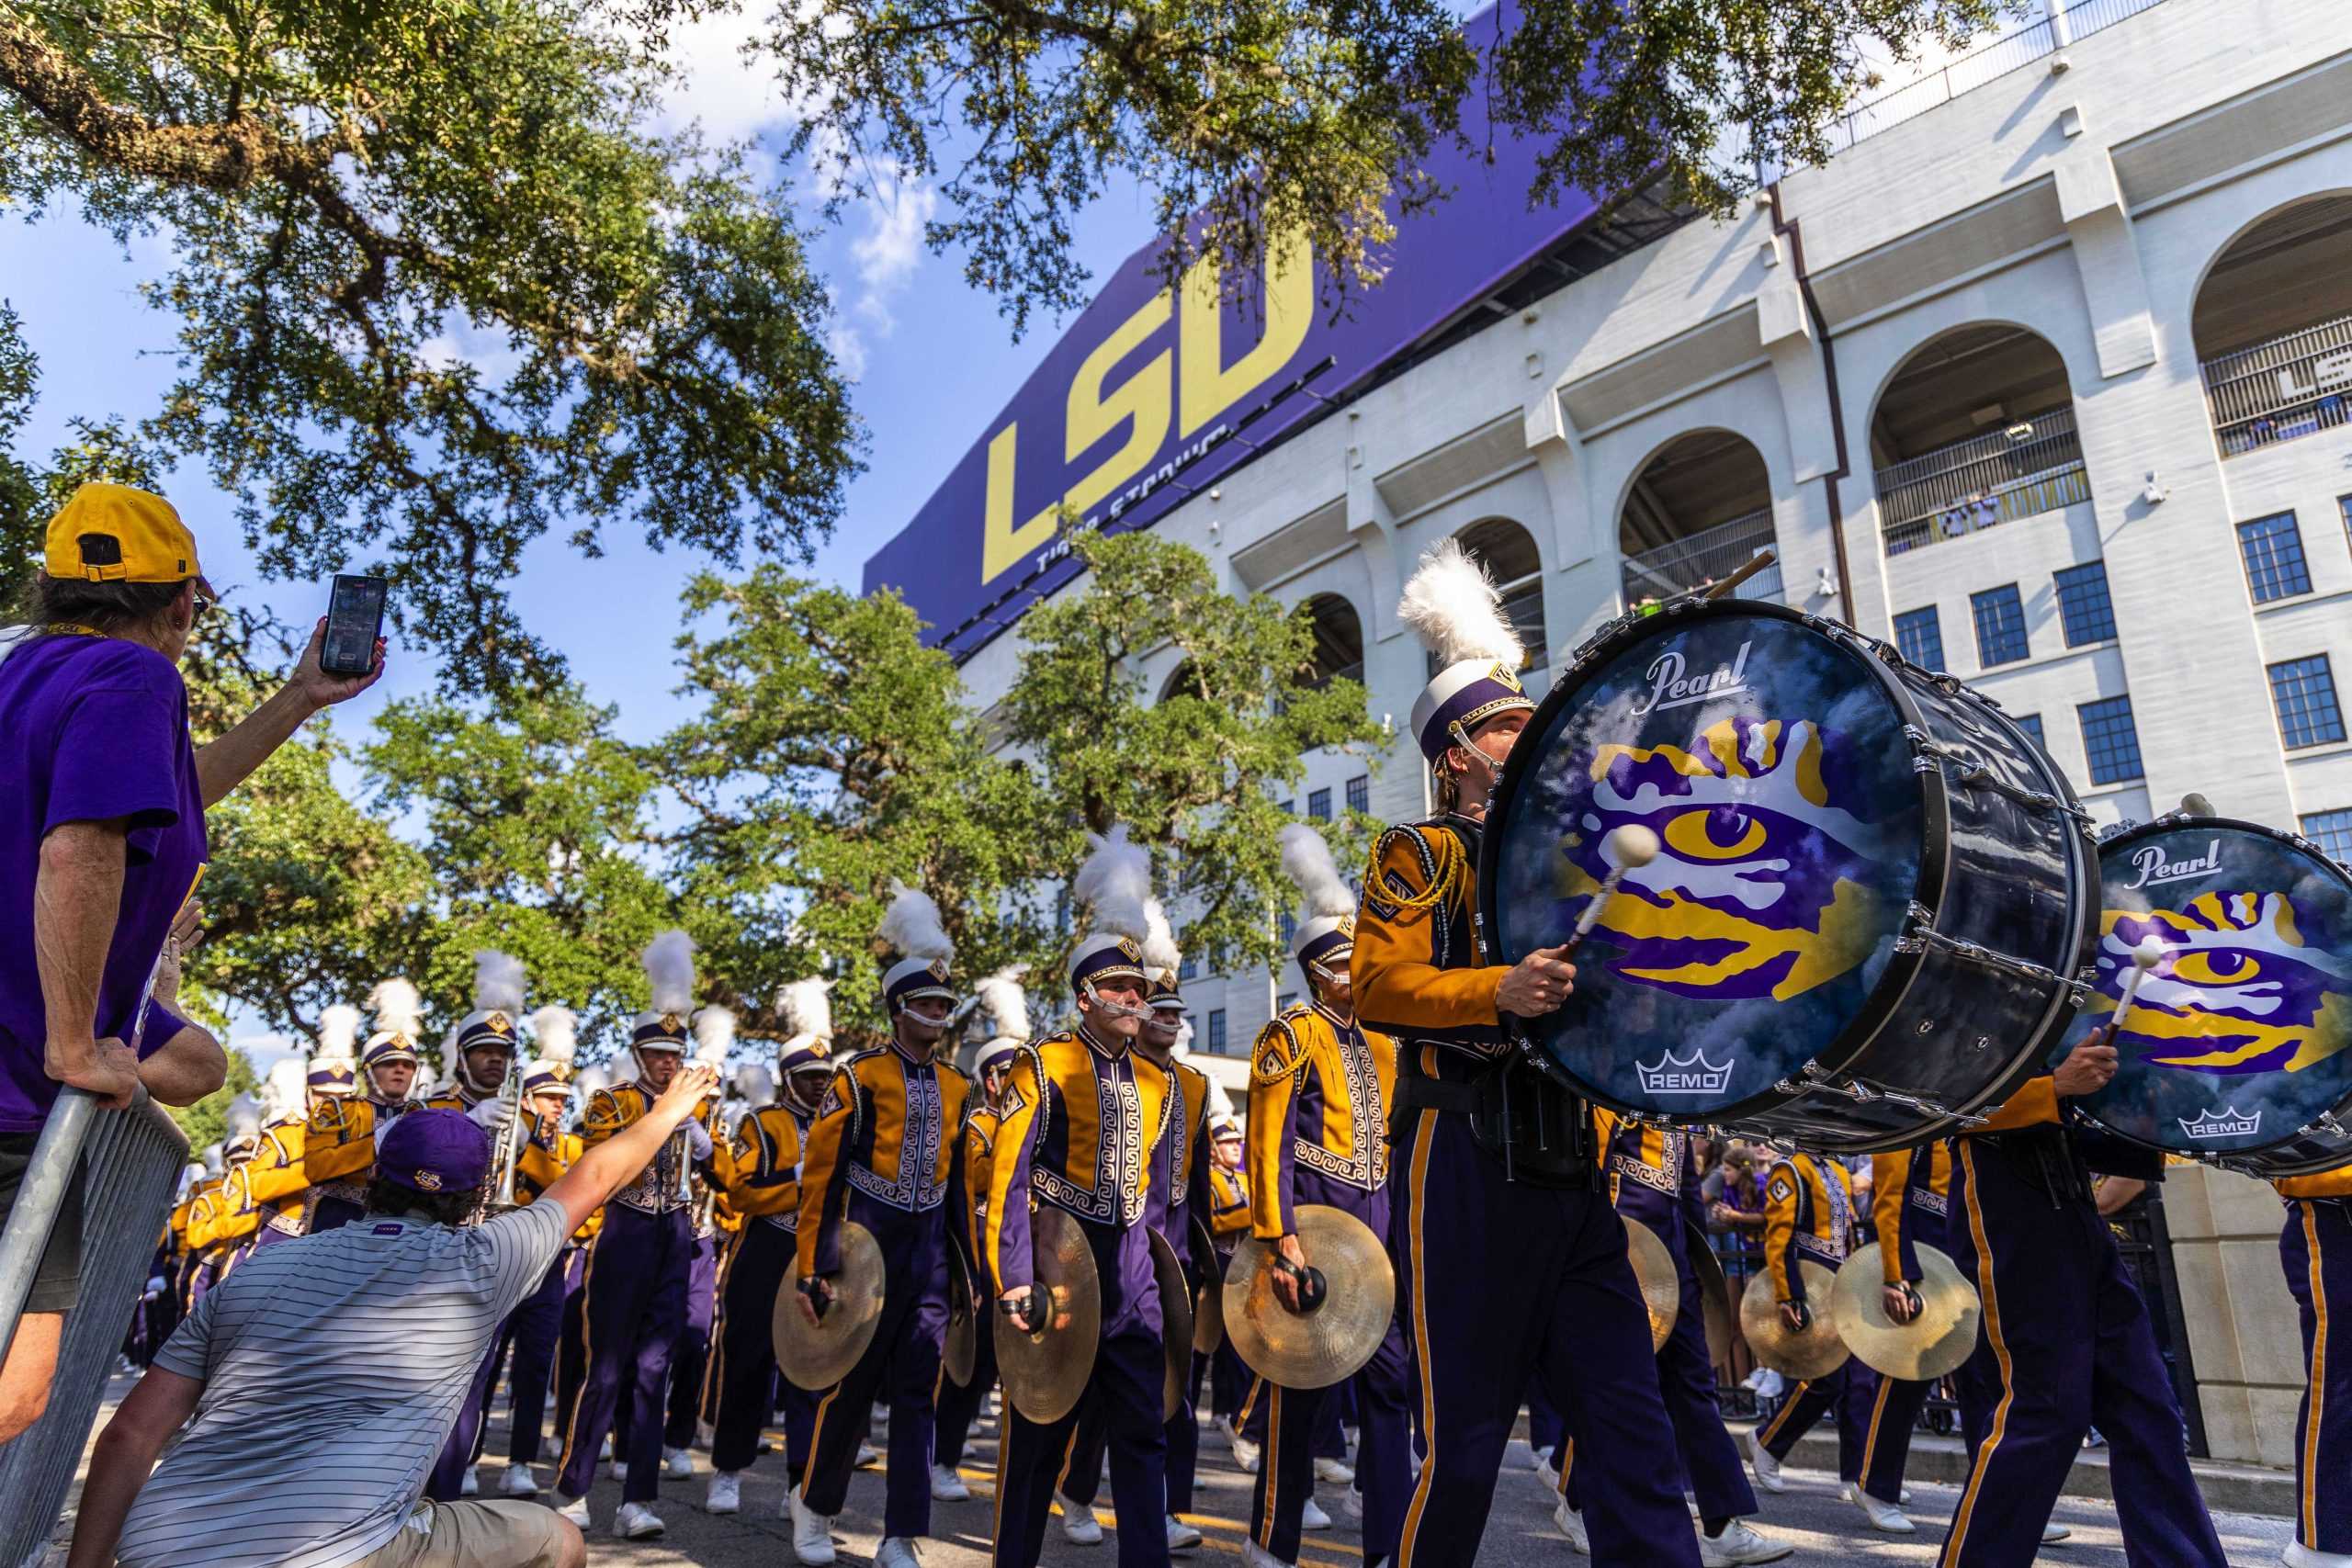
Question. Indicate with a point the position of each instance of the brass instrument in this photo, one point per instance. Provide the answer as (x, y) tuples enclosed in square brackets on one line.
[(509, 1154)]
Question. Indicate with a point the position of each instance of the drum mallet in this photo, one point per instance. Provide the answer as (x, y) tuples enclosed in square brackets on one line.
[(2144, 957), (1624, 849)]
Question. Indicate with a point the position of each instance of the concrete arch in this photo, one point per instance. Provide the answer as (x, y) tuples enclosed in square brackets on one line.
[(2333, 207), (1697, 506)]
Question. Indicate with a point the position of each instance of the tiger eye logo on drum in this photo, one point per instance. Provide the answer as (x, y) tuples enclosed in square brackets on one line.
[(2239, 989), (1669, 688)]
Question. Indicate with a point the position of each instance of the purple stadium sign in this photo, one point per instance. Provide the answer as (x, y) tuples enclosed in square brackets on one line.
[(1156, 392)]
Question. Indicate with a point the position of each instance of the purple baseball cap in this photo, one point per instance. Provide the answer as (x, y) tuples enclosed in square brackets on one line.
[(434, 1151)]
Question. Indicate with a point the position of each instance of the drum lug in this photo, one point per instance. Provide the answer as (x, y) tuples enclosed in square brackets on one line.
[(1922, 936)]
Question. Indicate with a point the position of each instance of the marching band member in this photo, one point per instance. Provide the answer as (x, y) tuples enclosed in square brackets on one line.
[(1910, 1195), (276, 1178), (2316, 1249), (2067, 1341), (227, 1228), (1502, 1268), (199, 1264), (762, 1175), (634, 1293), (339, 1146), (1085, 1110), (881, 1152), (690, 1358), (1319, 1089), (1808, 1212), (1650, 1178), (1228, 1222), (572, 1344), (533, 1328)]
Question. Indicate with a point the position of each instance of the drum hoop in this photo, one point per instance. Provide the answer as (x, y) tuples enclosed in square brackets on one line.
[(1902, 972), (2248, 1161)]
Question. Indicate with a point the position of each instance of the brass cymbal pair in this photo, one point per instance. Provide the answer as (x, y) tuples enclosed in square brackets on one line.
[(1850, 1318), (1330, 1343)]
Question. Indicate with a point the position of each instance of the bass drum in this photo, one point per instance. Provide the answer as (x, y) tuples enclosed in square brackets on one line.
[(1869, 901), (2235, 1048)]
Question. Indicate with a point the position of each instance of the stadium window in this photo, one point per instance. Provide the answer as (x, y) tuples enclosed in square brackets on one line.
[(2332, 832), (2000, 625), (2031, 724), (2111, 743), (2304, 691), (1061, 912), (1285, 1002), (1188, 969), (1359, 792), (1287, 923), (2273, 550), (1286, 807), (1216, 1029), (1318, 804), (2084, 610), (1920, 636)]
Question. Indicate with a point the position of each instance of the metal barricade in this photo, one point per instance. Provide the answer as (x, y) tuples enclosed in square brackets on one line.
[(128, 1164)]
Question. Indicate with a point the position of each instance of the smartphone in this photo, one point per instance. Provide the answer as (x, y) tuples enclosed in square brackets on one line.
[(355, 620)]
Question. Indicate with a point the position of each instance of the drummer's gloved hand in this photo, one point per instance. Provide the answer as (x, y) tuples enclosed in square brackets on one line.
[(492, 1114), (1797, 1316), (1020, 1307)]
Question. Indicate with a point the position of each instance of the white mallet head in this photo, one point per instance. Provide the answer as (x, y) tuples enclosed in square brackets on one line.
[(1629, 848), (2148, 954)]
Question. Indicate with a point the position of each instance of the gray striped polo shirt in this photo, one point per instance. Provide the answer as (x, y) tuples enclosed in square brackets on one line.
[(332, 1367)]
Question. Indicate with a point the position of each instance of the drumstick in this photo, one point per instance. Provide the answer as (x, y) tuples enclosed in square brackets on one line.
[(1624, 849), (2144, 957)]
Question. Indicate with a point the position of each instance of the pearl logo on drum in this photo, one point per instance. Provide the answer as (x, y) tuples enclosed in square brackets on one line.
[(1669, 688), (2149, 860), (1693, 1074), (2229, 1123)]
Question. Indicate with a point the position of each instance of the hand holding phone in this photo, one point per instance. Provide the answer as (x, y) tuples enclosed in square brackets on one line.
[(355, 620)]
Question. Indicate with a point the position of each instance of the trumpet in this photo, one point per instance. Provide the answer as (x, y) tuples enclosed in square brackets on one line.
[(510, 1142)]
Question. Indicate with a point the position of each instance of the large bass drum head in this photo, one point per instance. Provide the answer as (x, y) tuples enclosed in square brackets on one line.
[(1770, 761), (2238, 1039)]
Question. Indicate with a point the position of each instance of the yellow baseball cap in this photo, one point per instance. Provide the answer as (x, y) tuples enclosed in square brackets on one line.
[(110, 533)]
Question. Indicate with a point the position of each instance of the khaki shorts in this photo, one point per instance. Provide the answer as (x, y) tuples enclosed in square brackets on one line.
[(474, 1535)]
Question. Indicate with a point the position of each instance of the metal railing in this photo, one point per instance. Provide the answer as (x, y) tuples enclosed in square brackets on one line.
[(128, 1164), (2035, 466), (2294, 385), (1681, 565)]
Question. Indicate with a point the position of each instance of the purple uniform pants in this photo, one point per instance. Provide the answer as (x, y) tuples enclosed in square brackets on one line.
[(631, 1304), (744, 1370), (1128, 1370), (2315, 1248), (901, 1365), (959, 1407), (690, 1355), (532, 1330), (2066, 1343), (1848, 1392), (1498, 1279)]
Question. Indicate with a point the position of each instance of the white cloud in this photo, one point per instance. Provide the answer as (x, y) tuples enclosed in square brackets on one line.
[(733, 96)]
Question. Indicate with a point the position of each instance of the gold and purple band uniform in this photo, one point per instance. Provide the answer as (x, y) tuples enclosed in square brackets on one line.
[(882, 1152), (1910, 1199), (1079, 1133), (716, 1224), (1228, 1223), (339, 1157), (1649, 1176), (201, 1266), (1498, 1279), (279, 1182), (957, 1407), (2315, 1251), (2066, 1344), (1809, 1217), (534, 1330), (763, 1186)]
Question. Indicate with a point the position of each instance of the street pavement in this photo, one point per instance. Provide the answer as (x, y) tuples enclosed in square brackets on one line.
[(1812, 1516)]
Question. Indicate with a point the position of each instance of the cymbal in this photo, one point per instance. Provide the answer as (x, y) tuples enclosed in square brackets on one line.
[(1317, 1348), (1715, 1296), (1936, 1342), (1175, 1324), (959, 1348), (1654, 1271), (817, 1357), (1043, 1373), (1208, 1306), (1818, 1352)]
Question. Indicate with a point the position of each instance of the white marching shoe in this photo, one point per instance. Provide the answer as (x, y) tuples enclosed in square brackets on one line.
[(1334, 1470), (2298, 1555), (1882, 1516), (2053, 1532), (1739, 1544), (620, 1470), (1245, 1455), (1080, 1526), (1767, 1467), (519, 1481), (1571, 1524), (1256, 1556), (896, 1551), (575, 1511), (1849, 1491), (637, 1522), (677, 1464), (866, 1454), (726, 1492), (946, 1486), (1182, 1537), (1353, 1506), (812, 1533), (1313, 1517), (604, 1450), (470, 1484)]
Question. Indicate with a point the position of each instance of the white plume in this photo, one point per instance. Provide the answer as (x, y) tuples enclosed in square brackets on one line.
[(1008, 1003), (670, 972), (1116, 884), (1306, 860), (1159, 950), (1452, 604), (593, 1077), (714, 1037), (338, 1032), (243, 1119), (807, 1008), (287, 1090), (399, 1010), (911, 928), (498, 982), (555, 1035)]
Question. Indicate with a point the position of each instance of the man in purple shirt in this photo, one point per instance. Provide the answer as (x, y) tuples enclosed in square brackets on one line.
[(102, 802)]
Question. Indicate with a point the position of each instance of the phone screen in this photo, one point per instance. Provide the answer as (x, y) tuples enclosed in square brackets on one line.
[(354, 617)]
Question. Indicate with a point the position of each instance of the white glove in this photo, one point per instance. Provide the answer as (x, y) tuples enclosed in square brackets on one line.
[(697, 1142), (492, 1114)]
